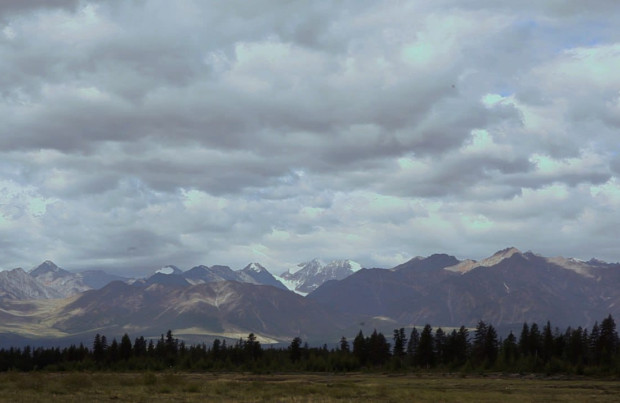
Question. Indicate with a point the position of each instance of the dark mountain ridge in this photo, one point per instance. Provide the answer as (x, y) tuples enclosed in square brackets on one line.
[(506, 289)]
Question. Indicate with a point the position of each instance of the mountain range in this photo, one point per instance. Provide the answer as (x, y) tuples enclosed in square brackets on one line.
[(329, 300)]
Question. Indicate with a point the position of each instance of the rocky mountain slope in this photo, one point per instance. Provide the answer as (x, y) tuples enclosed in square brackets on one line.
[(59, 280), (16, 284), (215, 309)]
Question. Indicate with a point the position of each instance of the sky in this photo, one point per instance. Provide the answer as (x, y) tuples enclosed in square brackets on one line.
[(140, 133)]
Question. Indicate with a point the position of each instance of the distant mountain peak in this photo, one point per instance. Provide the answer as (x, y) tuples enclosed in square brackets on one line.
[(48, 269), (500, 255), (314, 263), (255, 267), (255, 273), (63, 282), (47, 266)]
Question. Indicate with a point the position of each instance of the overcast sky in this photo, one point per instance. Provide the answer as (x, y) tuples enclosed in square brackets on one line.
[(135, 134)]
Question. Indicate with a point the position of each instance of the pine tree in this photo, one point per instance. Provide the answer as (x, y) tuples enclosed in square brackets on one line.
[(295, 349), (478, 346), (125, 349), (575, 348), (608, 341), (171, 344), (252, 347), (490, 345), (113, 352), (360, 349), (344, 345), (400, 342), (139, 346), (378, 348), (462, 345), (99, 348), (440, 345), (594, 353), (215, 349), (510, 349), (547, 342), (414, 340), (425, 354), (524, 340), (535, 341)]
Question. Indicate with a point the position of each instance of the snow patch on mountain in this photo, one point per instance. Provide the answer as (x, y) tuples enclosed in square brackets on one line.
[(311, 265), (355, 267), (290, 284), (256, 267), (170, 269)]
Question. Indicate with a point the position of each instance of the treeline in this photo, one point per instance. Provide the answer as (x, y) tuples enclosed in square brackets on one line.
[(547, 350)]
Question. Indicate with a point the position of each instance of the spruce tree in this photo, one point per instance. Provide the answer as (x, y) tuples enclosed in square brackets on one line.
[(462, 345), (548, 342), (360, 349), (478, 346), (440, 346), (252, 347), (400, 342), (524, 340), (295, 349), (608, 341), (98, 348), (344, 345), (125, 347), (490, 345), (510, 349), (414, 340), (425, 354)]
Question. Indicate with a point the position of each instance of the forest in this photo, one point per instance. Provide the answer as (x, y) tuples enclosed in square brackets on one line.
[(547, 350)]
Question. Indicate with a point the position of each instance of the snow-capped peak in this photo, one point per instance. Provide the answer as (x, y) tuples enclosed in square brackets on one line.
[(256, 267), (354, 266), (314, 263), (306, 277), (170, 269)]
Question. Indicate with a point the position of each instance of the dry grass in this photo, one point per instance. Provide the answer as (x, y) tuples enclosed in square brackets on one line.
[(192, 387)]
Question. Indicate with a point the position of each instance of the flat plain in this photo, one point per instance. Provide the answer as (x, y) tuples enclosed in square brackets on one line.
[(237, 387)]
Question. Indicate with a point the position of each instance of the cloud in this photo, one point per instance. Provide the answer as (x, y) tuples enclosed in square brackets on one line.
[(136, 134)]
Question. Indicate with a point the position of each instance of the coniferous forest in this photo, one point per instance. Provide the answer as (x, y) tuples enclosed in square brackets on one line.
[(536, 349)]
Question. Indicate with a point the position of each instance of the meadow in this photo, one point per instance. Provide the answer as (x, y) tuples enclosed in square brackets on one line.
[(351, 387)]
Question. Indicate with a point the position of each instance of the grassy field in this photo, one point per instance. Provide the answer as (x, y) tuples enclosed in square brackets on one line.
[(190, 387)]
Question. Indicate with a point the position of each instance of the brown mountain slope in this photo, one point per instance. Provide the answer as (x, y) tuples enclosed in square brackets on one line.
[(222, 308)]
